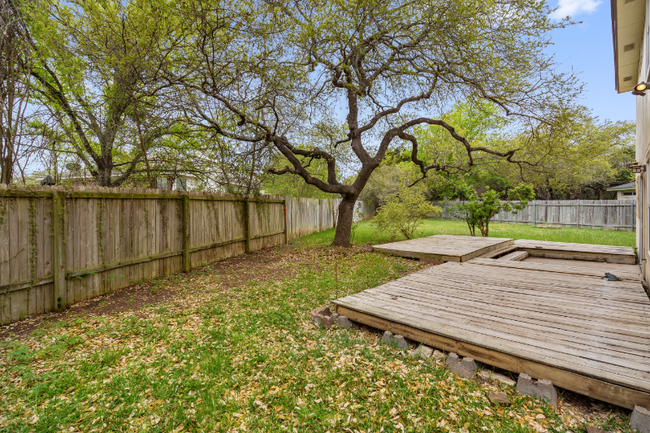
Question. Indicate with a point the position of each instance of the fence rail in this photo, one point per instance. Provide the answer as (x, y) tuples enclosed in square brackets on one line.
[(605, 214), (60, 246)]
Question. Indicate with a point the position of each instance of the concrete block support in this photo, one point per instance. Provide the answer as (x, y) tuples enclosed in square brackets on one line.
[(544, 389), (394, 340), (342, 321), (640, 420), (422, 351), (465, 368)]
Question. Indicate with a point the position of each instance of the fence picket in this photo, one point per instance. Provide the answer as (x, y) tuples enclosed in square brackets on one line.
[(58, 247)]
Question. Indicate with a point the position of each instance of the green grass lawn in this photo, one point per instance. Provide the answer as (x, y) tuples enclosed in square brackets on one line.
[(365, 233), (244, 356)]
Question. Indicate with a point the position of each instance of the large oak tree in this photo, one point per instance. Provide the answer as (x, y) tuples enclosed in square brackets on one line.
[(271, 71)]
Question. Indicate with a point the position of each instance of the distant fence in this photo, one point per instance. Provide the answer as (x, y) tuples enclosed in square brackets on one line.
[(310, 215), (61, 246), (600, 214)]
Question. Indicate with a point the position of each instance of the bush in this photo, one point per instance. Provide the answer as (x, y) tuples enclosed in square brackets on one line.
[(479, 210), (402, 214)]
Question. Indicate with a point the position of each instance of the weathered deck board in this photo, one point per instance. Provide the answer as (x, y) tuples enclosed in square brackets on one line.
[(515, 256), (499, 252), (561, 269), (445, 247), (564, 250), (560, 323)]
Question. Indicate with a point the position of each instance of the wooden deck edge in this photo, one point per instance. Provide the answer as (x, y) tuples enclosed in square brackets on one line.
[(477, 253), (495, 253), (623, 259), (510, 243), (585, 272), (416, 255), (581, 384), (516, 256)]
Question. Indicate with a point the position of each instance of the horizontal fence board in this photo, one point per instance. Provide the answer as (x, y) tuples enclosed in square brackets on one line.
[(111, 238), (600, 214)]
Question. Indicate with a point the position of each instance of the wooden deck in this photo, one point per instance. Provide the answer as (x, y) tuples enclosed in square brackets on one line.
[(444, 247), (561, 269), (562, 250), (560, 323)]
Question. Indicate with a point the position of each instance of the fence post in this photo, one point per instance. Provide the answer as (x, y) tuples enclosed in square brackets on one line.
[(247, 224), (286, 221), (58, 256), (186, 233), (534, 212), (633, 216), (578, 214)]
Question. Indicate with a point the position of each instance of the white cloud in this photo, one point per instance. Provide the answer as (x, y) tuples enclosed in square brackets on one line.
[(574, 7)]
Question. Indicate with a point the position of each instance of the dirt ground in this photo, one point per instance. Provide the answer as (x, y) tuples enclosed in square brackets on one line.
[(263, 265)]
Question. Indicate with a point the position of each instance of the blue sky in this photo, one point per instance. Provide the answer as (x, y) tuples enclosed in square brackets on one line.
[(587, 48)]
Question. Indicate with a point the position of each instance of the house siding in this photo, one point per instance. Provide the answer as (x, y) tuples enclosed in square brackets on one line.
[(643, 153)]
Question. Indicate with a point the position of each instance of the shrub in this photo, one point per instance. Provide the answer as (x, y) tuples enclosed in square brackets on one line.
[(479, 210), (402, 214)]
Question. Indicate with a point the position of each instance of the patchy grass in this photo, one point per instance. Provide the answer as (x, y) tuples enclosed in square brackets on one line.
[(366, 233), (226, 356)]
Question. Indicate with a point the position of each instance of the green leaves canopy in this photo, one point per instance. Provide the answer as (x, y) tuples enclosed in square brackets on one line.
[(98, 74), (269, 71)]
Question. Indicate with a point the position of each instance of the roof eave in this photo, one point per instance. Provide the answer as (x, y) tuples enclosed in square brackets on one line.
[(613, 9), (628, 20)]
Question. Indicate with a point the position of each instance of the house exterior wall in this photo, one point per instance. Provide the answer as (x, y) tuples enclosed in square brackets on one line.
[(631, 38), (643, 154), (625, 195)]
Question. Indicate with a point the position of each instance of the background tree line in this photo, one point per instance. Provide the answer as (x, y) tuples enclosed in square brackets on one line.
[(580, 164)]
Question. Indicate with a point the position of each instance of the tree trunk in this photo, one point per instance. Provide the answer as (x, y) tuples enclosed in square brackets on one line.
[(7, 170), (103, 177), (344, 224)]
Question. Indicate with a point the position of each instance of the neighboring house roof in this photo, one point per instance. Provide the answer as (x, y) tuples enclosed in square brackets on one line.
[(625, 187), (628, 18)]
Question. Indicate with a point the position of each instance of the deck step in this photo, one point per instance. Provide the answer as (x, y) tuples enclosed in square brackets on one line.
[(447, 248), (516, 256), (498, 252), (589, 252)]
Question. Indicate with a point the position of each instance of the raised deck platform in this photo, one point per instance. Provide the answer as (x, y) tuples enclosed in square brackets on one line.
[(564, 250), (554, 322), (445, 247)]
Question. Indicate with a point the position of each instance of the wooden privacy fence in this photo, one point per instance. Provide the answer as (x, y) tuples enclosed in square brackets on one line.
[(60, 246), (605, 214), (310, 215)]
